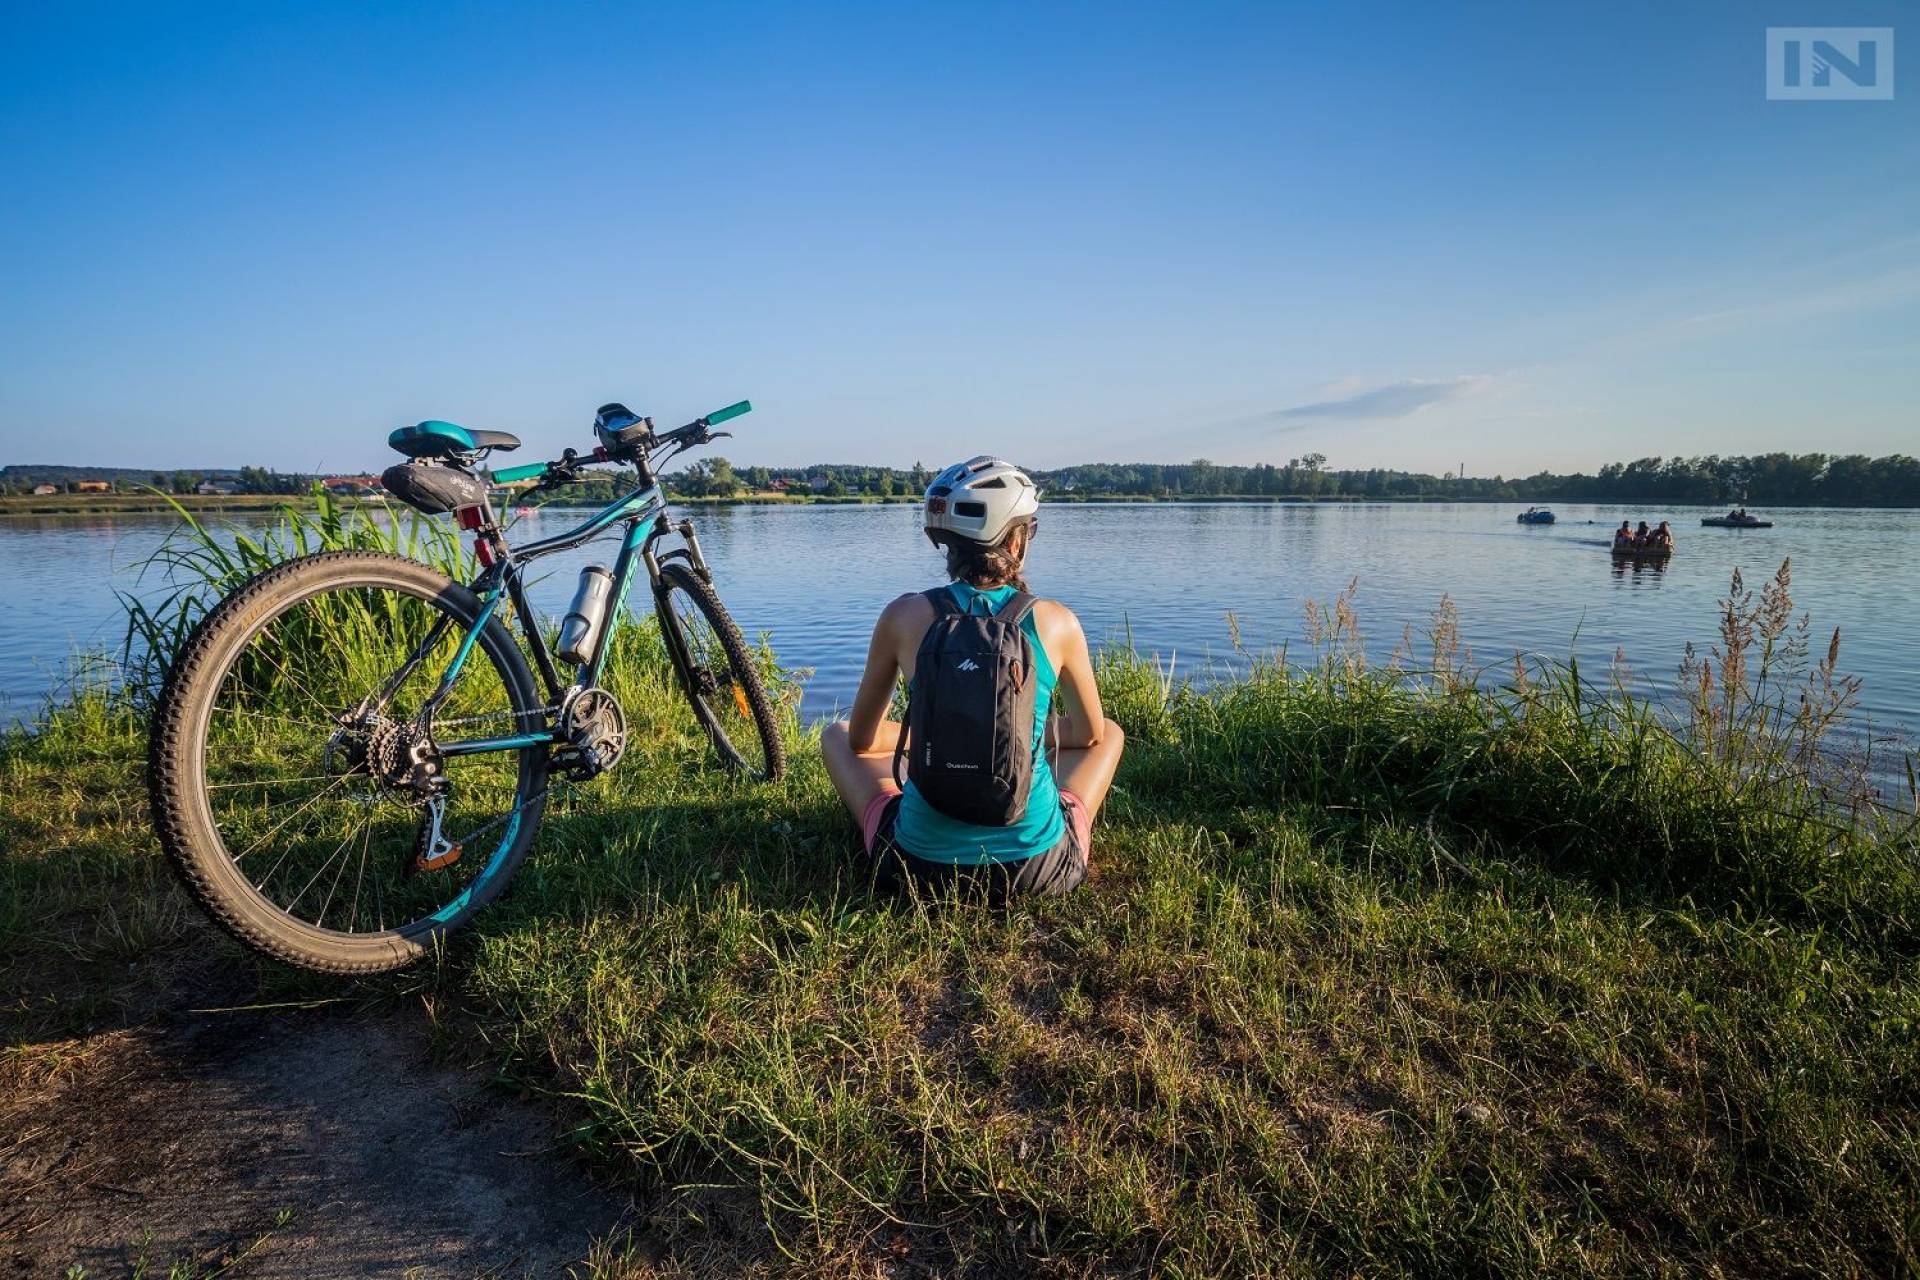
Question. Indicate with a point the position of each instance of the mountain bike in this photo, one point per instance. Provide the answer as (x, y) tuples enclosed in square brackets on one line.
[(351, 754)]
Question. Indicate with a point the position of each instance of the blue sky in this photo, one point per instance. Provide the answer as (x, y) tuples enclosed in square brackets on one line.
[(1538, 235)]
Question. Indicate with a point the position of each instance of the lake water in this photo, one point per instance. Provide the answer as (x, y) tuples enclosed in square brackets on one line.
[(813, 578)]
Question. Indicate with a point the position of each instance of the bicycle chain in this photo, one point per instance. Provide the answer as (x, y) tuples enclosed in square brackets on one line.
[(439, 724)]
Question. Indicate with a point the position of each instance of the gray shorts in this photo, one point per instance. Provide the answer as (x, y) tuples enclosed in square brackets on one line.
[(1059, 870)]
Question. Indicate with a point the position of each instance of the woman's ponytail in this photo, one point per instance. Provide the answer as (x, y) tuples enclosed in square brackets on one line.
[(989, 567)]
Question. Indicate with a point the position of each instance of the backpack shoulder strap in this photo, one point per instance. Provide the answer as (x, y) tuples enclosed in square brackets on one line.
[(1018, 606), (942, 601)]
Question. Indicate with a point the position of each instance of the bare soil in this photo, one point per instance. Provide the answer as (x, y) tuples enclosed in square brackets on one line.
[(292, 1144)]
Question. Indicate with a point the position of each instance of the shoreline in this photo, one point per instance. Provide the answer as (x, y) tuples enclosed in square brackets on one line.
[(73, 504)]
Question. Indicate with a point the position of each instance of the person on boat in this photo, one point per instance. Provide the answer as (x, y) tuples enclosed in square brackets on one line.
[(1623, 536), (968, 822), (1640, 536), (1663, 537)]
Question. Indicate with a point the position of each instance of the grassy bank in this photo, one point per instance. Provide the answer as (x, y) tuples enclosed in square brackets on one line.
[(1380, 973)]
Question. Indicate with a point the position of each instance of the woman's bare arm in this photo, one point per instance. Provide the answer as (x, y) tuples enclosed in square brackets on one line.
[(868, 730), (1076, 694)]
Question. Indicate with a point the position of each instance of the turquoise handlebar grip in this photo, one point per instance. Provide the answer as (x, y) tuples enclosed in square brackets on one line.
[(528, 472), (719, 416)]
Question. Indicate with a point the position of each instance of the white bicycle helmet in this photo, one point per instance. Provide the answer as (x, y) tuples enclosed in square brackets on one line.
[(979, 500)]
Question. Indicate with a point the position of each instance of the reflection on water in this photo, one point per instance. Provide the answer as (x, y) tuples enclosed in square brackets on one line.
[(1638, 567), (814, 578)]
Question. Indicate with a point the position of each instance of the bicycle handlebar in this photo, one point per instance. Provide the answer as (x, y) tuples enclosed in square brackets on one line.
[(695, 432)]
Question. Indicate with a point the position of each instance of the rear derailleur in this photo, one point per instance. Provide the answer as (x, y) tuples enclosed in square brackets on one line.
[(401, 757)]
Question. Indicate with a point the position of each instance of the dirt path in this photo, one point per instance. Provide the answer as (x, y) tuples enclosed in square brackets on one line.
[(313, 1145)]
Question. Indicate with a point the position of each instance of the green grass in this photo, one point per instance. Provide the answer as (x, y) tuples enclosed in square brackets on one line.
[(1380, 974)]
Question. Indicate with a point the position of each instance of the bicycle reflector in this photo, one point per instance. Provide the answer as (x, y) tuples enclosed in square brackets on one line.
[(471, 517)]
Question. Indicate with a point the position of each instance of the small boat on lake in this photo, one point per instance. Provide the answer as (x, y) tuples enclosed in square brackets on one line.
[(1535, 515), (1736, 520), (1642, 553)]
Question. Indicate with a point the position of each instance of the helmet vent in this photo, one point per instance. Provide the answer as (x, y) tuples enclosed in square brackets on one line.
[(998, 482), (940, 491), (976, 509)]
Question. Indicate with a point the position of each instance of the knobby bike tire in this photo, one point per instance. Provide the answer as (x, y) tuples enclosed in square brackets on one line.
[(176, 766), (773, 751)]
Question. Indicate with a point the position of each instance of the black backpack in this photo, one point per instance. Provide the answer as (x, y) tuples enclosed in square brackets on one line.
[(968, 739)]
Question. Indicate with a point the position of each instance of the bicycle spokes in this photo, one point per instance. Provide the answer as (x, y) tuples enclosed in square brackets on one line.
[(323, 771)]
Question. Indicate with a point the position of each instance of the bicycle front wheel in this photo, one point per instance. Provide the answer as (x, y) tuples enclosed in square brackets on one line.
[(718, 673), (306, 764)]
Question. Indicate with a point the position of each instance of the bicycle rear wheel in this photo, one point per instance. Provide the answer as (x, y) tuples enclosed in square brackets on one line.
[(718, 673), (297, 773)]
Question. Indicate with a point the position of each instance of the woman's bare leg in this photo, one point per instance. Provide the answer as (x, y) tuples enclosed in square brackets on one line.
[(859, 777), (1088, 771)]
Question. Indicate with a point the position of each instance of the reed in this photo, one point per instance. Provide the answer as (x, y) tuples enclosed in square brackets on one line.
[(199, 564)]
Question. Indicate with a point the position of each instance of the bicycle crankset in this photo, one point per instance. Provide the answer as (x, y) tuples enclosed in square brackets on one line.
[(593, 733)]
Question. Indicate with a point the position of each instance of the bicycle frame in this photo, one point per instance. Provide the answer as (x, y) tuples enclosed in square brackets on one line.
[(643, 510)]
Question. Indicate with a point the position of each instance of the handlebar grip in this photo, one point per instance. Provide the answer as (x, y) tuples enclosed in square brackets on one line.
[(528, 472), (719, 416)]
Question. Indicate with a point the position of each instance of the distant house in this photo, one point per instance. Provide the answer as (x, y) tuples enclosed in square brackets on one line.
[(819, 483), (92, 486), (42, 490), (212, 488), (351, 486), (779, 486)]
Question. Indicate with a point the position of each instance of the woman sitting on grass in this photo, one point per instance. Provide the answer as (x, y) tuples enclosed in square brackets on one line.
[(988, 803)]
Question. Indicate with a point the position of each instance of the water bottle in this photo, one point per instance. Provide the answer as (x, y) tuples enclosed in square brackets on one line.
[(581, 627)]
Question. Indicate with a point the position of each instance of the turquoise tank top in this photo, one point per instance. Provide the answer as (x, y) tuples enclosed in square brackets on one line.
[(927, 833)]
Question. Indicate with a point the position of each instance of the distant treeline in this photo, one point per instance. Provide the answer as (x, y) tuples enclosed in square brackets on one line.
[(1772, 479), (1769, 479)]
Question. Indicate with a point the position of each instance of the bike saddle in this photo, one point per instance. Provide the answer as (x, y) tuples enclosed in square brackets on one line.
[(436, 439)]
